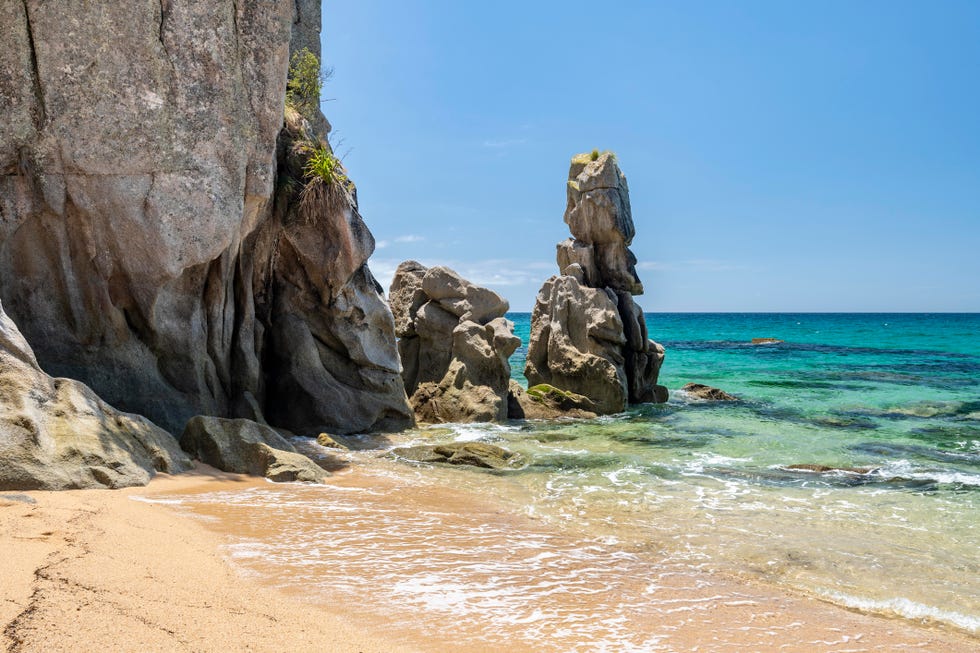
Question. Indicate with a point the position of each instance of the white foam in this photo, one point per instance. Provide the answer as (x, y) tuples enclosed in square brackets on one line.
[(905, 608), (159, 500), (905, 469)]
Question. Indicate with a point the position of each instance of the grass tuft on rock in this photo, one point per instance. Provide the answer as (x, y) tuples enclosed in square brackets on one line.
[(326, 188)]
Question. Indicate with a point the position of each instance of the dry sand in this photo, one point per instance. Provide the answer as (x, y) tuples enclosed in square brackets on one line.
[(98, 571)]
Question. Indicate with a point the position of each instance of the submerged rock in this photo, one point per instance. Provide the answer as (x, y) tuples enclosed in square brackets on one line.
[(326, 440), (475, 454), (57, 434), (766, 341), (454, 344), (241, 446), (708, 393), (823, 469), (588, 336)]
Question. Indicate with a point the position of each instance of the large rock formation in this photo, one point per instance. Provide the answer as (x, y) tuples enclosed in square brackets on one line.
[(454, 344), (149, 239), (588, 336), (56, 434)]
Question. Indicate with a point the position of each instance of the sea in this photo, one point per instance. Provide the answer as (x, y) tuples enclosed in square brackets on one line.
[(886, 405)]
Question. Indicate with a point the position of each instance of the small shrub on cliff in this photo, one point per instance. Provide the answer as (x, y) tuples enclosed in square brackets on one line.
[(304, 83), (327, 188), (594, 155)]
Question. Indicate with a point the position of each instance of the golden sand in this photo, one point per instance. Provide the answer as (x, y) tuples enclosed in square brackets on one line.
[(100, 571)]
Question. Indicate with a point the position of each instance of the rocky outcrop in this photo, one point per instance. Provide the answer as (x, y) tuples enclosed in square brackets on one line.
[(707, 393), (56, 434), (588, 336), (454, 344), (150, 243), (241, 446), (474, 454)]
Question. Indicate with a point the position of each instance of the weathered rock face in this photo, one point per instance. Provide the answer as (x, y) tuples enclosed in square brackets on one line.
[(577, 341), (599, 216), (245, 447), (56, 434), (454, 344), (149, 243), (588, 336)]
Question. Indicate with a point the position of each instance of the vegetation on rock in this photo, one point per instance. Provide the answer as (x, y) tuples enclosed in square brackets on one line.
[(304, 83)]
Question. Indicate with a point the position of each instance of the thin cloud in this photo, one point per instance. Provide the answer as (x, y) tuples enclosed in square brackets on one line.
[(410, 238), (493, 273), (693, 265), (503, 143)]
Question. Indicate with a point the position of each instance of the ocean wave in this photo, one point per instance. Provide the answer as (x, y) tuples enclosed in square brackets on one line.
[(904, 608)]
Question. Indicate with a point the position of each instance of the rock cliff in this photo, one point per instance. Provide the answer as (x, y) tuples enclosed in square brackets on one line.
[(588, 336), (150, 244), (454, 343)]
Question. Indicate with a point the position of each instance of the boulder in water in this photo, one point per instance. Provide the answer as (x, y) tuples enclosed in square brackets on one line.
[(547, 402), (706, 392), (475, 454)]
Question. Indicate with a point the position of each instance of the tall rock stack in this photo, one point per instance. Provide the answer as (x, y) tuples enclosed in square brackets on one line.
[(454, 343), (588, 336)]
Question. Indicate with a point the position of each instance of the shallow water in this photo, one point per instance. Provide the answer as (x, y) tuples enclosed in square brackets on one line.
[(685, 488)]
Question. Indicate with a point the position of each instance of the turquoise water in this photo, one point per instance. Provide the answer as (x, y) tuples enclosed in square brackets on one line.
[(895, 394), (644, 498)]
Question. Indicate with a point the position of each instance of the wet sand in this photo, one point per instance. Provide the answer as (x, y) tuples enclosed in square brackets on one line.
[(98, 570)]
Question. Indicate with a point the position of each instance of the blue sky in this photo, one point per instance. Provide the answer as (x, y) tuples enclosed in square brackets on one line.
[(781, 156)]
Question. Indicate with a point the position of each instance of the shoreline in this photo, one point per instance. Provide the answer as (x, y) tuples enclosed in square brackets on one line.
[(86, 564)]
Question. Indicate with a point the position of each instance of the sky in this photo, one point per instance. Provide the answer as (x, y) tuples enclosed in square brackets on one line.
[(781, 156)]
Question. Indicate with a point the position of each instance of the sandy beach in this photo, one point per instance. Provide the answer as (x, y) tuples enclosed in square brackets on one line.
[(95, 570), (98, 570)]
